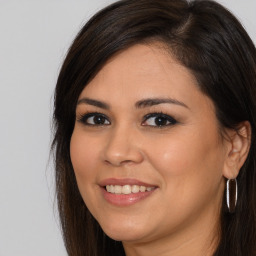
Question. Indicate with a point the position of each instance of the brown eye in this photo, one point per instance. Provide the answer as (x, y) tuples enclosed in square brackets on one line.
[(94, 119), (158, 120), (98, 120)]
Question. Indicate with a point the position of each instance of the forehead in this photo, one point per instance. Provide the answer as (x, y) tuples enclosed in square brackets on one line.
[(143, 71)]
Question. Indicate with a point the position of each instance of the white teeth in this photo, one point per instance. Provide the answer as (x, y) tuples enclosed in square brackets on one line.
[(135, 188), (127, 189), (118, 189), (112, 189), (142, 189)]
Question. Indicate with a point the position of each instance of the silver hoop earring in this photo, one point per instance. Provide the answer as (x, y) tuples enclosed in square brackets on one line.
[(231, 194)]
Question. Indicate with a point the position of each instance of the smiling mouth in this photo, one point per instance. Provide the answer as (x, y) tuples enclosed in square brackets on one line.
[(127, 189), (126, 192)]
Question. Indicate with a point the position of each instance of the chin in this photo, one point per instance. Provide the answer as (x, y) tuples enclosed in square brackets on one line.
[(129, 232), (125, 237)]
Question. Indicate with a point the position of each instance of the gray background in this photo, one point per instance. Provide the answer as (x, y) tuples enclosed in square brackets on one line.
[(34, 37)]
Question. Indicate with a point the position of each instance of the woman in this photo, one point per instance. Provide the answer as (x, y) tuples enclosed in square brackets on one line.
[(155, 118)]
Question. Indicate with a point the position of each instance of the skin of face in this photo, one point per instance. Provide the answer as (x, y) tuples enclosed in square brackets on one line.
[(184, 159)]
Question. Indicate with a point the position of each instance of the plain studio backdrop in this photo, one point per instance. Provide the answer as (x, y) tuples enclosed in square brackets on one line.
[(35, 36)]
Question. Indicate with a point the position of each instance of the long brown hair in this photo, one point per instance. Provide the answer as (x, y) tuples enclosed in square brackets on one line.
[(207, 39)]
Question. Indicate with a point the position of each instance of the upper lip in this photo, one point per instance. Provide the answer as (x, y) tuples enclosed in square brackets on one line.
[(124, 181)]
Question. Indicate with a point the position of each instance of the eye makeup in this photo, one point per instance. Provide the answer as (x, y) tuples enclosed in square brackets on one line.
[(153, 119)]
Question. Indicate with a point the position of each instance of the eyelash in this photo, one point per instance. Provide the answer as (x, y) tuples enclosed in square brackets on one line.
[(84, 118), (165, 117), (168, 120)]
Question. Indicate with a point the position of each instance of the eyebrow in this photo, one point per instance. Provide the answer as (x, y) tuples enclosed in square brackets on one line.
[(93, 102), (156, 101), (139, 104)]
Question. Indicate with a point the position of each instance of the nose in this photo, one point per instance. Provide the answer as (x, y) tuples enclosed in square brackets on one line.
[(123, 146)]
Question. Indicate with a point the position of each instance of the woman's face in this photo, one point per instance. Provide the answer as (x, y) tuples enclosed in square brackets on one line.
[(147, 134)]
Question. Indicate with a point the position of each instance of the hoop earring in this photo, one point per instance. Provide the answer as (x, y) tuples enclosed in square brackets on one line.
[(231, 194)]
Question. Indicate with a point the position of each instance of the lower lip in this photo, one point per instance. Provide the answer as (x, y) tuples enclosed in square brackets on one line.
[(125, 200)]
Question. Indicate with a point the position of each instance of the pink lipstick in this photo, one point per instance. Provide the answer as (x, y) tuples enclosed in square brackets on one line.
[(125, 192)]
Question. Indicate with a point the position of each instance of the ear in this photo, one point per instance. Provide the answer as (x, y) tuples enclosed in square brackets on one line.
[(238, 146)]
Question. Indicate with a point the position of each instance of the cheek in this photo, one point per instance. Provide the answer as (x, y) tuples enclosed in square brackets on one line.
[(188, 163), (191, 175), (83, 157), (181, 152), (173, 155)]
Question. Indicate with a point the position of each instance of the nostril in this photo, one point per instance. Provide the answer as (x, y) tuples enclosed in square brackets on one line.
[(117, 162)]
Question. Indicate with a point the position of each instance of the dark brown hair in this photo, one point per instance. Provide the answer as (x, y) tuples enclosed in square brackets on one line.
[(204, 37)]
